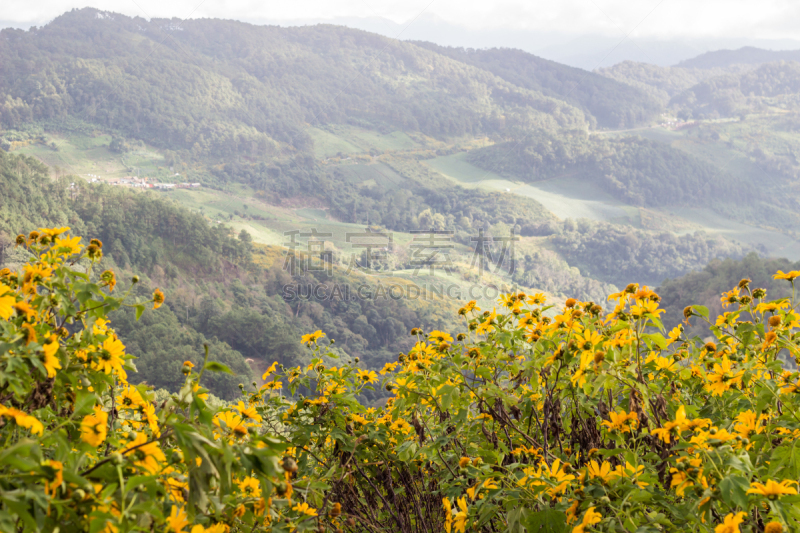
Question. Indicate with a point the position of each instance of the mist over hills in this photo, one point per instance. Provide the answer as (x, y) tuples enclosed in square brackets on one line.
[(747, 55), (637, 172)]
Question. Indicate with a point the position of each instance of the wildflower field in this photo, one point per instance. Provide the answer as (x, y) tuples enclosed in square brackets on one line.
[(531, 418)]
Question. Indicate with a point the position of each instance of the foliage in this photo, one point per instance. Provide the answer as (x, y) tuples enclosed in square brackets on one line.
[(618, 253), (224, 88), (704, 287), (86, 451), (634, 170), (737, 93), (574, 422), (662, 82), (611, 103)]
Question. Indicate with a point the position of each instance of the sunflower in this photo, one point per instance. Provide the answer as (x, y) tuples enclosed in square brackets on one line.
[(146, 455), (158, 298), (177, 520), (7, 301), (773, 490), (50, 361), (110, 359), (22, 419), (250, 487), (94, 427), (55, 476), (312, 338), (731, 523), (367, 376), (591, 517)]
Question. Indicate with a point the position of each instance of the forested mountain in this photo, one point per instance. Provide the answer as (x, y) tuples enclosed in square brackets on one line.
[(775, 84), (222, 88), (216, 293), (362, 130), (662, 83), (747, 55), (612, 104), (706, 287), (637, 171)]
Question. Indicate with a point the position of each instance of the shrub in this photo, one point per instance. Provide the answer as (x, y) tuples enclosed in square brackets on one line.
[(563, 418), (86, 451), (534, 418)]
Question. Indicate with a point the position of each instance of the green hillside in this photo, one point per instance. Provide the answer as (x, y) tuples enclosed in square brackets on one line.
[(223, 88), (611, 103)]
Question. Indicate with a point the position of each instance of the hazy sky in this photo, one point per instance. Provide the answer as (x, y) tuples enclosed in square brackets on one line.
[(764, 19)]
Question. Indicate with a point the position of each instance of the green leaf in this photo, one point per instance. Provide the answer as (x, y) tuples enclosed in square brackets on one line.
[(139, 311), (701, 310), (547, 521), (733, 490), (214, 366)]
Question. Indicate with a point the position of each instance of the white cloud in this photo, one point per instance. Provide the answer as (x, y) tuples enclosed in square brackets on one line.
[(764, 19)]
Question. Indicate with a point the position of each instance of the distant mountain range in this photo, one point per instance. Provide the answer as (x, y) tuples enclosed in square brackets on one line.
[(586, 51), (747, 55)]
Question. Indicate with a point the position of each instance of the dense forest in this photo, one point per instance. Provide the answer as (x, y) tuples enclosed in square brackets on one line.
[(623, 255), (705, 287), (217, 293), (612, 104), (224, 88), (634, 170), (735, 94)]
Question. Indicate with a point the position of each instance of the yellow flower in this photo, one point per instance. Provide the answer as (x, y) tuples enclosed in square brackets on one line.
[(248, 413), (460, 521), (644, 307), (537, 299), (312, 338), (630, 471), (305, 509), (53, 232), (130, 398), (773, 490), (146, 455), (622, 421), (674, 334), (269, 371), (591, 517), (723, 378), (54, 480), (22, 419), (7, 301), (439, 336), (71, 244), (158, 298), (464, 462), (579, 376), (747, 423), (177, 520), (94, 427), (731, 523), (51, 362), (448, 514), (23, 308), (790, 276), (250, 487), (773, 527), (230, 421), (110, 357), (603, 471), (367, 376), (484, 328)]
